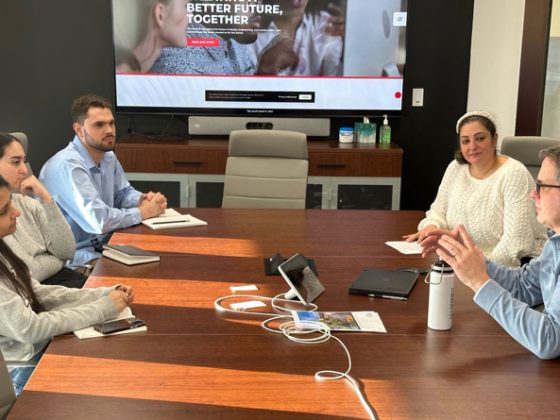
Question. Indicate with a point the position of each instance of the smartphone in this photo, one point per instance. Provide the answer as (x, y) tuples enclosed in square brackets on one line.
[(118, 325)]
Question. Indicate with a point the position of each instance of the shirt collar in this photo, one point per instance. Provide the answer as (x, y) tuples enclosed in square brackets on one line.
[(81, 149)]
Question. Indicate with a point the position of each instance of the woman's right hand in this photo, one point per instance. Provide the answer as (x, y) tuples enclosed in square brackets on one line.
[(31, 185), (120, 299), (420, 235)]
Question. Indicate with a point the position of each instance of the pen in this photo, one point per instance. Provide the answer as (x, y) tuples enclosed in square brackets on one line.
[(170, 221), (387, 297)]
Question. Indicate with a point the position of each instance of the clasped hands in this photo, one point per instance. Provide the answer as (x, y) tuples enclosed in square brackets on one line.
[(122, 296), (457, 249), (152, 204)]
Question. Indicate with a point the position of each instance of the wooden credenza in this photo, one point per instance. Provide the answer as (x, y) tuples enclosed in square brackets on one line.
[(191, 172)]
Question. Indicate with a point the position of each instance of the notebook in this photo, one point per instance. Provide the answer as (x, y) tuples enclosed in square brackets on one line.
[(128, 254), (381, 283), (173, 219)]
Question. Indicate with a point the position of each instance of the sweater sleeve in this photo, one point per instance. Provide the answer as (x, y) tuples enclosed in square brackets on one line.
[(67, 310), (437, 215), (56, 231), (519, 227), (43, 240)]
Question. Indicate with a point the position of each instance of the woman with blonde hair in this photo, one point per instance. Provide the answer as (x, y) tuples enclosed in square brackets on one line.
[(142, 28)]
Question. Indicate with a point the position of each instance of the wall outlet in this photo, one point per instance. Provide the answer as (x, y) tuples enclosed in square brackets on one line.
[(418, 97)]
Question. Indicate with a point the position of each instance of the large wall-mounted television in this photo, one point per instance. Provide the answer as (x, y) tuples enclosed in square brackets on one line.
[(278, 58)]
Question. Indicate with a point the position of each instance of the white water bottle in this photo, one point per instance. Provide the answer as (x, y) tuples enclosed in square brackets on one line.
[(440, 307)]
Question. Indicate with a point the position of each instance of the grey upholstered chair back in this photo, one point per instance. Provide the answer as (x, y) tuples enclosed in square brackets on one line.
[(266, 169), (7, 393), (526, 150), (22, 137)]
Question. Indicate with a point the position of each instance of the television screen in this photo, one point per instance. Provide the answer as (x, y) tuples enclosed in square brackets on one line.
[(259, 57)]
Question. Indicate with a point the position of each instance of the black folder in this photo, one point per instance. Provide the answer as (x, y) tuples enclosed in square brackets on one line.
[(378, 282)]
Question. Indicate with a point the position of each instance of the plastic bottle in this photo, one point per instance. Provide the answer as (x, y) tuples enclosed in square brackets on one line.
[(385, 132), (346, 135), (440, 307)]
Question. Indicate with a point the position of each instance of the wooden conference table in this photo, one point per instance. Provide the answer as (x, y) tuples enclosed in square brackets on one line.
[(195, 363)]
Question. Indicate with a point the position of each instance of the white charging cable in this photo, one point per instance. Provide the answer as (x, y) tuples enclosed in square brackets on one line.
[(311, 332), (302, 332), (218, 305)]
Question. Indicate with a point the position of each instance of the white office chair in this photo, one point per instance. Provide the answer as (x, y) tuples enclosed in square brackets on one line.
[(266, 169), (526, 150), (7, 393), (22, 137)]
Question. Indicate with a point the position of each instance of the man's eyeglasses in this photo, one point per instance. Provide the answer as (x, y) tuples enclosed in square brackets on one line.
[(541, 185)]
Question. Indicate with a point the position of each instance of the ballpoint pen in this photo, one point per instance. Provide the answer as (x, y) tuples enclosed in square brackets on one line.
[(170, 221), (387, 297)]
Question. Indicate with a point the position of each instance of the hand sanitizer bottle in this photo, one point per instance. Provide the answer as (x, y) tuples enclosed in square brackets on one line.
[(385, 132)]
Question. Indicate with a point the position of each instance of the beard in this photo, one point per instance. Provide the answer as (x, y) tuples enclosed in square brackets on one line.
[(98, 144)]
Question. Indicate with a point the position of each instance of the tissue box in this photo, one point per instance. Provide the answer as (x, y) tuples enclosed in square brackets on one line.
[(365, 132)]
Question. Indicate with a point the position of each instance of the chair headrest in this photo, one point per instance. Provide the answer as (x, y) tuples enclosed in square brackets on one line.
[(526, 148), (22, 138), (268, 143)]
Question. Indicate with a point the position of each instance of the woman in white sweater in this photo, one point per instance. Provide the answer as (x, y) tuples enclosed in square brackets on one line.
[(43, 240), (32, 313), (489, 194)]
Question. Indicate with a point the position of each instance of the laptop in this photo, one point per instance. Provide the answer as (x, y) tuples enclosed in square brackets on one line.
[(379, 282)]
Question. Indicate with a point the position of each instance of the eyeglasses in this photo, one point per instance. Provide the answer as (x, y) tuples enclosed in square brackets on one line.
[(541, 185)]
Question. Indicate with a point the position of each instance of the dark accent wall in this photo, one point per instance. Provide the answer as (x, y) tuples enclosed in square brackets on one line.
[(54, 51), (438, 60)]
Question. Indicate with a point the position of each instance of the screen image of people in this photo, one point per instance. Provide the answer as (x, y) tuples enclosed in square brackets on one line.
[(142, 28), (270, 37), (242, 48)]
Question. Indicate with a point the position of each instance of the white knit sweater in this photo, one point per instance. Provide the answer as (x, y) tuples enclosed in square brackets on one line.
[(496, 211)]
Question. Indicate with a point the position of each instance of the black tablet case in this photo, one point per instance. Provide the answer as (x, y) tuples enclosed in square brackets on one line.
[(384, 282), (271, 265)]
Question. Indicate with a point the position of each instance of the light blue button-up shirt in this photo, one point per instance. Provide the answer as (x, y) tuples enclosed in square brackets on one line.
[(95, 200), (510, 295)]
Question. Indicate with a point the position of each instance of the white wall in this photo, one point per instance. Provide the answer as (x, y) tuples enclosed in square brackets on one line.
[(495, 59)]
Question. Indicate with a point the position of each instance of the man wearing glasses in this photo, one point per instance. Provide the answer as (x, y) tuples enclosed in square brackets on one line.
[(509, 294)]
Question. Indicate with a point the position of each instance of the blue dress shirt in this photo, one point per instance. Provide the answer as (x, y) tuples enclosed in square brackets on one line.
[(511, 293), (95, 199)]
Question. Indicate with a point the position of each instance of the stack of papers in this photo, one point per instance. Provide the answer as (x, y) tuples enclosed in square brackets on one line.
[(173, 219)]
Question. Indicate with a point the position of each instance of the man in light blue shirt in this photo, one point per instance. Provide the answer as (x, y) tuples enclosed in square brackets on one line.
[(510, 295), (89, 184)]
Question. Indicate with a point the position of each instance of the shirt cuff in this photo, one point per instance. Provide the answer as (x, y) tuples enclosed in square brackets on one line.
[(136, 215), (487, 294)]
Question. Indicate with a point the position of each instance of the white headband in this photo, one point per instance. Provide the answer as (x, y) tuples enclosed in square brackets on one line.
[(484, 114)]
